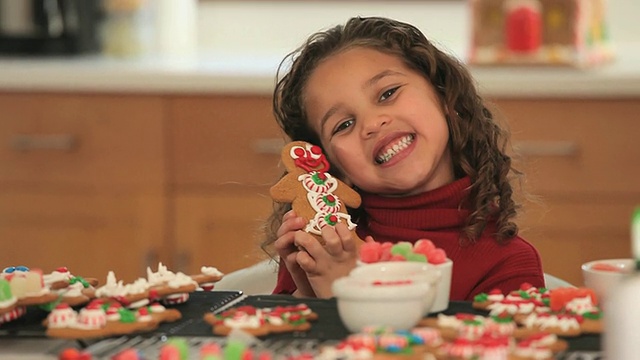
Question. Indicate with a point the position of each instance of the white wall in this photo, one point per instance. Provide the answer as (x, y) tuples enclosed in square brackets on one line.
[(273, 28)]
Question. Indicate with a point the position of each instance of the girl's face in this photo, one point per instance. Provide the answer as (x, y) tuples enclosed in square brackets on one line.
[(380, 122)]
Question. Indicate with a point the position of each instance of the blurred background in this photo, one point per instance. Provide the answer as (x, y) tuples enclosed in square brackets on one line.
[(133, 132)]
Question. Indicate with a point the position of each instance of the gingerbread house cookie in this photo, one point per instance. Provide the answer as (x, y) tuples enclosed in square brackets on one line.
[(539, 32), (315, 195)]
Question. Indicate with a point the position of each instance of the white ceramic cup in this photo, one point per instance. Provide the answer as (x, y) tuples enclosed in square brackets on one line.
[(604, 281)]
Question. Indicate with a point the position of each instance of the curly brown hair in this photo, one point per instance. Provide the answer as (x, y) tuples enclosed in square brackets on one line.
[(477, 142)]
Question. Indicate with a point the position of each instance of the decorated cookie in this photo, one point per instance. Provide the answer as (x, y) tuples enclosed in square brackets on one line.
[(565, 311), (105, 318), (314, 194), (27, 286), (135, 294), (262, 321), (525, 300), (385, 343), (162, 285), (73, 290), (539, 346)]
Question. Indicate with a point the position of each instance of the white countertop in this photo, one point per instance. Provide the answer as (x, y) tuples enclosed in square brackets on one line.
[(216, 73)]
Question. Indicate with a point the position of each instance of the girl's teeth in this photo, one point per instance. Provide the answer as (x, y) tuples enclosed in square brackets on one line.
[(396, 148)]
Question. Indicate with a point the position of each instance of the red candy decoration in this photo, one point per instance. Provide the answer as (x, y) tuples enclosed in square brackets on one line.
[(524, 29)]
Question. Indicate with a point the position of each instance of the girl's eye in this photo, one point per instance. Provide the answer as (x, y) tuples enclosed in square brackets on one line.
[(343, 126), (388, 93)]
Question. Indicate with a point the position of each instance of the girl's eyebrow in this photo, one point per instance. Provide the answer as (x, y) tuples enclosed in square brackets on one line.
[(332, 110), (371, 82)]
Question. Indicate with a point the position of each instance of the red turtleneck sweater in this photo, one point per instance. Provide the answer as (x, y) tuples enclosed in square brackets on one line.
[(437, 215)]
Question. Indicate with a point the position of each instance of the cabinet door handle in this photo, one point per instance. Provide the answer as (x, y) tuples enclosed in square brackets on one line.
[(547, 148), (272, 146), (59, 142)]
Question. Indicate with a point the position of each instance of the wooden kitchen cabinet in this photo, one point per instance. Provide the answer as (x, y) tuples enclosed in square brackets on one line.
[(220, 228), (82, 182), (580, 158), (224, 154)]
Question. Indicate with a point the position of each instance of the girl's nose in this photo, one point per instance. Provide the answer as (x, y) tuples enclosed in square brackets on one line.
[(374, 124)]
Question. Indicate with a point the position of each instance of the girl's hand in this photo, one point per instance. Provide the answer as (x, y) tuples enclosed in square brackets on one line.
[(324, 264), (288, 252)]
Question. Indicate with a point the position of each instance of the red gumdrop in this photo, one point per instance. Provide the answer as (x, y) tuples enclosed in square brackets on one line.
[(127, 354), (169, 352), (87, 356), (370, 252), (386, 245), (69, 354), (397, 257), (385, 254), (437, 256), (423, 246), (525, 286)]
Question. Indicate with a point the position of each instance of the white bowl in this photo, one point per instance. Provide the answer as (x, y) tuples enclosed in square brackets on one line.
[(402, 270), (361, 303), (444, 287), (603, 281)]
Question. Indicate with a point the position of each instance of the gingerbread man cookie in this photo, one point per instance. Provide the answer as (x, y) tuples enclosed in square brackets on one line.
[(102, 318), (313, 192), (262, 321)]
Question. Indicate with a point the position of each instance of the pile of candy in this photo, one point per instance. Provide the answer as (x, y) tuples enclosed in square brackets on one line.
[(179, 349), (422, 250)]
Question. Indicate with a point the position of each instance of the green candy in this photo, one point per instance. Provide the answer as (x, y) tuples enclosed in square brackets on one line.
[(5, 290), (402, 248), (234, 350), (212, 357), (416, 257), (182, 346)]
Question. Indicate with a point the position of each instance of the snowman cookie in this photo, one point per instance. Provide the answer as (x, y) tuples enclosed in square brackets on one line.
[(314, 194)]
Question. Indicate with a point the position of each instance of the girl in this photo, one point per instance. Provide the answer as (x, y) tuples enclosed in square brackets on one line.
[(402, 123)]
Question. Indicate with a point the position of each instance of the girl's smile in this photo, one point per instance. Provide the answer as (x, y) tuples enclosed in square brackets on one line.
[(399, 147), (380, 122)]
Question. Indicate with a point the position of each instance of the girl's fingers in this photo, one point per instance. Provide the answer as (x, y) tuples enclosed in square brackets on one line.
[(308, 242), (290, 223), (348, 242), (288, 215), (333, 242), (306, 262), (284, 242), (338, 239)]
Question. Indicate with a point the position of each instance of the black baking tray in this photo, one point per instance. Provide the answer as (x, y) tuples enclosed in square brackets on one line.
[(328, 327), (30, 325)]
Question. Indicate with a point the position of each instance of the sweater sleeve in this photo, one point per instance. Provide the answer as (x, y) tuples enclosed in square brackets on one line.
[(285, 283), (518, 265)]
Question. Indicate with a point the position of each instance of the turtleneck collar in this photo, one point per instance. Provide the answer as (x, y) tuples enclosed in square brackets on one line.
[(439, 209)]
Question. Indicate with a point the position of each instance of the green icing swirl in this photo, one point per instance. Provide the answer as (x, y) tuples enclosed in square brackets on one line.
[(79, 279)]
